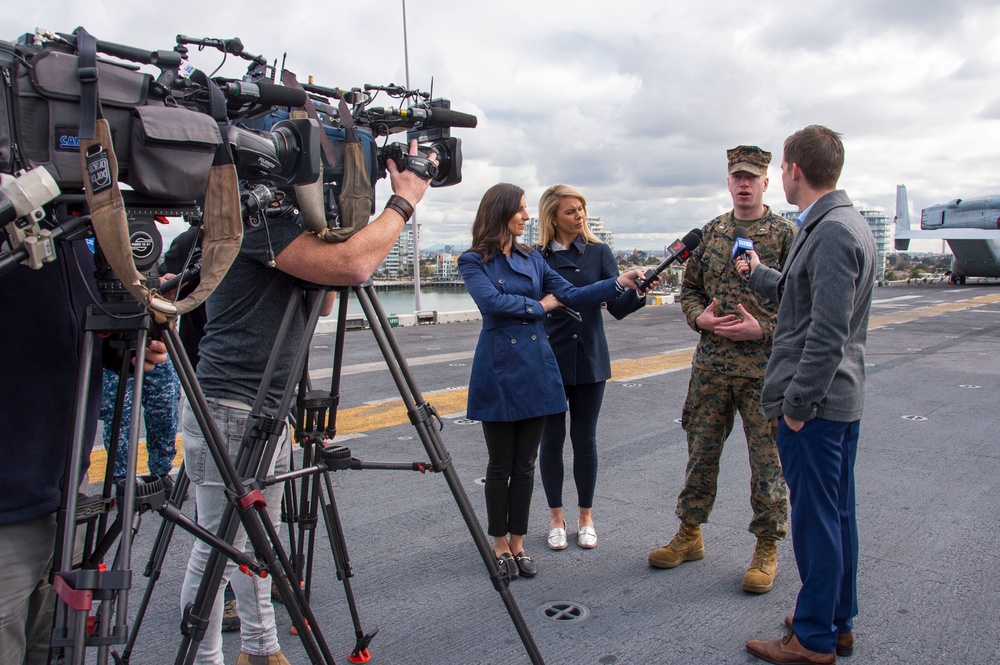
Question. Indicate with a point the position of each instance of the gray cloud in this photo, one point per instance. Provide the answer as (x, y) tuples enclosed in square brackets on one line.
[(635, 106)]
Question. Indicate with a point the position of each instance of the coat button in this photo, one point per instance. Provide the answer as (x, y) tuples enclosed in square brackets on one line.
[(534, 337), (530, 310), (500, 280), (577, 270), (513, 341), (574, 336)]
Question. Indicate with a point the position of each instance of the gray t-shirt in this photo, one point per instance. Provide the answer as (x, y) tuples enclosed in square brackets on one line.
[(244, 314)]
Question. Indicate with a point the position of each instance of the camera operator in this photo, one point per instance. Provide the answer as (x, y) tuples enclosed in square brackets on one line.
[(40, 331), (244, 315)]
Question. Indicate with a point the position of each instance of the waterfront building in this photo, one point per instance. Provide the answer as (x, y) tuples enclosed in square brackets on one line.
[(446, 268), (399, 262), (878, 222), (531, 233)]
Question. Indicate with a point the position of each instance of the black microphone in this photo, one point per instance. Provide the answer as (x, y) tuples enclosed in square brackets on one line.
[(679, 250), (428, 116), (264, 94), (438, 117), (742, 244)]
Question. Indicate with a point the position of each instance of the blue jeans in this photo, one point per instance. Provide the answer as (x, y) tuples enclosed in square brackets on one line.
[(258, 633), (584, 407), (818, 462)]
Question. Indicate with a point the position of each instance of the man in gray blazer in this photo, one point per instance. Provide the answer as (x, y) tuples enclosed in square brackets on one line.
[(814, 386)]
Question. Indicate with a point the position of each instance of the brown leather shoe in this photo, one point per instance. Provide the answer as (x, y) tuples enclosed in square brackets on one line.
[(273, 659), (845, 641), (787, 651)]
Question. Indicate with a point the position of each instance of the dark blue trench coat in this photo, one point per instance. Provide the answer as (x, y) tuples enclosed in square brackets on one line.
[(514, 372)]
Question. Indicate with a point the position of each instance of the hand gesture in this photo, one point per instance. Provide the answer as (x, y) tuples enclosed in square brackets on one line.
[(744, 327), (708, 321)]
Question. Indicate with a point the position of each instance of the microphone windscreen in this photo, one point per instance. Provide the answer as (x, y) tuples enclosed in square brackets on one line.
[(692, 239), (448, 118), (280, 95), (740, 232)]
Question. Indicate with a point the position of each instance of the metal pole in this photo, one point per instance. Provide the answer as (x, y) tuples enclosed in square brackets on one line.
[(413, 219)]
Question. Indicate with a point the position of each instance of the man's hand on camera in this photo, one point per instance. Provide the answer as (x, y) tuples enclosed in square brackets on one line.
[(407, 183)]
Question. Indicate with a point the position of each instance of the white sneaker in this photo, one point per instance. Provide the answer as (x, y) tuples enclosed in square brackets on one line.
[(587, 539), (557, 538)]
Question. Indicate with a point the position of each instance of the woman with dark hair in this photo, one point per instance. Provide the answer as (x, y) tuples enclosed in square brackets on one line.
[(574, 252), (515, 381)]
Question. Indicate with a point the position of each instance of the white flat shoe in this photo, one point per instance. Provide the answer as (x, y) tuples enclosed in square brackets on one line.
[(557, 538), (587, 539)]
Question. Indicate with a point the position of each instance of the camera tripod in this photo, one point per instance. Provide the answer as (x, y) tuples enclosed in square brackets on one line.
[(80, 575), (316, 418)]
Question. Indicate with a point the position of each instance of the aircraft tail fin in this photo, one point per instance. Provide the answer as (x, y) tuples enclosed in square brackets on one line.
[(902, 217)]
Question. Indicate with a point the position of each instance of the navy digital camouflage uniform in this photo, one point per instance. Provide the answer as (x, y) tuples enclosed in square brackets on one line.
[(160, 392), (727, 375)]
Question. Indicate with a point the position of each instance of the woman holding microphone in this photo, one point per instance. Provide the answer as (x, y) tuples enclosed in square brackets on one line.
[(573, 251), (515, 382)]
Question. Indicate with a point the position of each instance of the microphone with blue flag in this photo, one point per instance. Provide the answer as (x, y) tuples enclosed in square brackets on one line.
[(743, 244)]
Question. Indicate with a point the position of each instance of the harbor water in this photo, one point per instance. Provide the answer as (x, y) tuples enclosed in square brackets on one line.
[(400, 300)]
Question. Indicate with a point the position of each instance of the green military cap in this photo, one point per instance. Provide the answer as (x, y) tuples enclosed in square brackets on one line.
[(748, 158)]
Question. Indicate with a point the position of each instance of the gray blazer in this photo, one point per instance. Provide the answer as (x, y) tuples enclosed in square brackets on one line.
[(824, 294)]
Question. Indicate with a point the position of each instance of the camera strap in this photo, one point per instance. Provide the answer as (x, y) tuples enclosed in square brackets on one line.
[(356, 192), (222, 218), (309, 197)]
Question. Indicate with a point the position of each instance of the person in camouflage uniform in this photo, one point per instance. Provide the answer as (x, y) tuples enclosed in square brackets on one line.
[(727, 373), (160, 392)]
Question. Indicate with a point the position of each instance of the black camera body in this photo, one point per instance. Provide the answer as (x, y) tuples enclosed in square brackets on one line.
[(400, 154), (286, 155)]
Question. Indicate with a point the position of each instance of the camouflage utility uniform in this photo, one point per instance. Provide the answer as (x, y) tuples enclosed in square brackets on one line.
[(727, 375), (160, 392)]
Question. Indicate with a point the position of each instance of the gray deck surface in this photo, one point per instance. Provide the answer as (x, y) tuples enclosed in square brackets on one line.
[(927, 490)]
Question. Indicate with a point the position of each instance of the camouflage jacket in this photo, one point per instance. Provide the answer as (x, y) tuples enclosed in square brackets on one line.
[(711, 273)]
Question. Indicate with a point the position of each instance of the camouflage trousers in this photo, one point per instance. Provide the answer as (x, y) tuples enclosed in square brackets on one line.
[(160, 392), (709, 413)]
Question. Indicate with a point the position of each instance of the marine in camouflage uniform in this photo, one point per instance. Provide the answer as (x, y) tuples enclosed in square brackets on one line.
[(160, 392), (727, 374)]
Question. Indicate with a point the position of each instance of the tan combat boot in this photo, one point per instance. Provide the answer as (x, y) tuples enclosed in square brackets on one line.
[(760, 575), (687, 545), (273, 659)]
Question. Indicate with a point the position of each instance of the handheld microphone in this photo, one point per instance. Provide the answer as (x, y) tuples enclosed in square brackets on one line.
[(742, 244), (679, 250)]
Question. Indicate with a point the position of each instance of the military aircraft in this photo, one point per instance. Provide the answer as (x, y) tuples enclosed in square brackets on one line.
[(970, 226)]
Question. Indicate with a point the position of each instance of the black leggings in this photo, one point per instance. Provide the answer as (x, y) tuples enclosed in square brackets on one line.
[(510, 473)]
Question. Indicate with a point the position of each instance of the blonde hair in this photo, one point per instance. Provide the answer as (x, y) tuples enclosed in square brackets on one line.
[(547, 207)]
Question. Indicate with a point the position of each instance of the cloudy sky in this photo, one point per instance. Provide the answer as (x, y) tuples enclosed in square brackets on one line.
[(634, 102)]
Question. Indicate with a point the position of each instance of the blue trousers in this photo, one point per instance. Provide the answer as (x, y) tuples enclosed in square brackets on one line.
[(584, 402), (818, 462), (160, 391)]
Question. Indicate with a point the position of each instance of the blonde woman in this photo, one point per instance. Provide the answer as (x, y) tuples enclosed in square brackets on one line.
[(573, 251)]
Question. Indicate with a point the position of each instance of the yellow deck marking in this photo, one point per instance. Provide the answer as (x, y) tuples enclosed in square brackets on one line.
[(389, 414)]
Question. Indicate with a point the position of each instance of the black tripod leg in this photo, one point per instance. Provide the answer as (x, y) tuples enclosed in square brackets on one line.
[(420, 415), (155, 564), (338, 545), (246, 507)]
